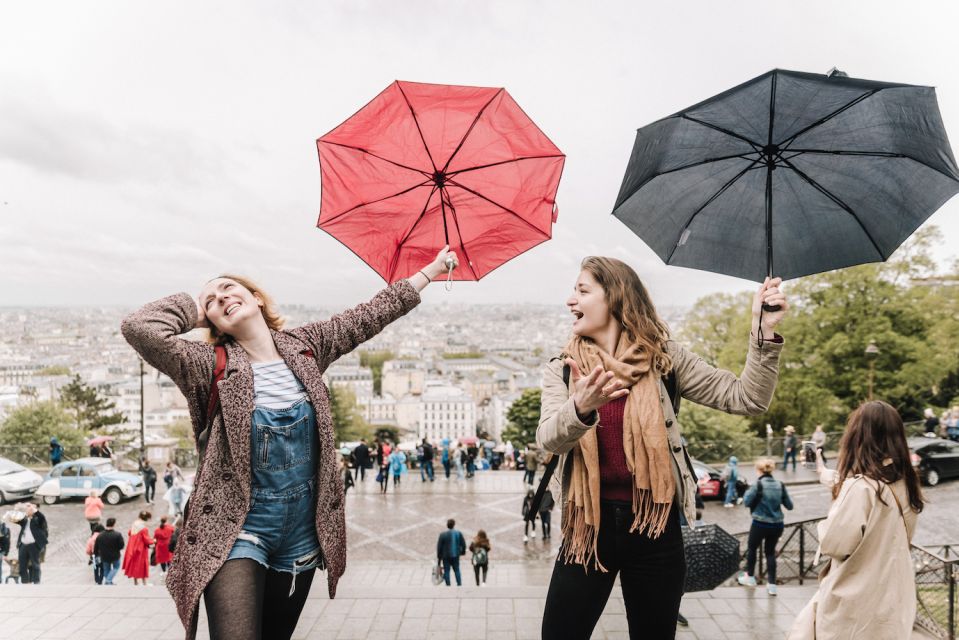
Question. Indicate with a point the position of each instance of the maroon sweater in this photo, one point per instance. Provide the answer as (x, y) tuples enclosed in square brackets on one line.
[(616, 482)]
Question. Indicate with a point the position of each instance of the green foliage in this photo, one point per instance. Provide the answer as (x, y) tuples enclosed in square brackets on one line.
[(55, 370), (523, 417), (36, 423), (182, 430), (374, 360), (714, 435), (348, 422), (90, 410)]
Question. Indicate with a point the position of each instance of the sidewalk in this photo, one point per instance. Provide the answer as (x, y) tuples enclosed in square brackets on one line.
[(800, 476)]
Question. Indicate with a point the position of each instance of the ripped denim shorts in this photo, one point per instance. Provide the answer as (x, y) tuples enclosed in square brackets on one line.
[(280, 528)]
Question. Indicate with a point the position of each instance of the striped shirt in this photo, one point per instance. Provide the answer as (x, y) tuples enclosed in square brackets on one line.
[(275, 385)]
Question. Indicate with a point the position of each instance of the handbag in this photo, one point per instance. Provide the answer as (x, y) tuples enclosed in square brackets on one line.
[(153, 557), (437, 576)]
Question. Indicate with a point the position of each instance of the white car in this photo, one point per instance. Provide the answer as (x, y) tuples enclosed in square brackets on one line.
[(77, 478), (17, 482)]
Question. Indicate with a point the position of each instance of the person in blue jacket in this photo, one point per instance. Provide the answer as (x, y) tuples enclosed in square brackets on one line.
[(731, 477), (449, 547), (765, 500)]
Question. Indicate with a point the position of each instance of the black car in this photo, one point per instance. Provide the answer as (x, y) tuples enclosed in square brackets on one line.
[(935, 459)]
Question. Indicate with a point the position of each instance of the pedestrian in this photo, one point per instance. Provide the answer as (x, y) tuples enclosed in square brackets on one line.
[(546, 513), (347, 475), (107, 547), (428, 455), (868, 588), (177, 526), (819, 441), (459, 457), (765, 501), (4, 545), (472, 453), (449, 547), (397, 466), (790, 444), (31, 542), (527, 521), (361, 453), (275, 404), (617, 358), (149, 481), (480, 549), (93, 509), (509, 454), (445, 458), (56, 451), (171, 473), (532, 464), (931, 422), (136, 557), (162, 536), (94, 559), (730, 476)]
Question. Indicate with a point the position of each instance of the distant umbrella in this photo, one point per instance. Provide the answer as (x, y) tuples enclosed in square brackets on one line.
[(712, 556)]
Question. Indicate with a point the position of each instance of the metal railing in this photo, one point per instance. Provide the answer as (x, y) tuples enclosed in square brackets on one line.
[(936, 567)]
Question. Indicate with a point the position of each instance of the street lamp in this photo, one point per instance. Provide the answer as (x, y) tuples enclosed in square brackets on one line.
[(871, 352)]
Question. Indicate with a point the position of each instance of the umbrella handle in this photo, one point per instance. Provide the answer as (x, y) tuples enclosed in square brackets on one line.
[(767, 308), (450, 264)]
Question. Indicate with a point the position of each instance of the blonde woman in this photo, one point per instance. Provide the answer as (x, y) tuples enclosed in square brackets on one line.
[(868, 589), (267, 506), (625, 472)]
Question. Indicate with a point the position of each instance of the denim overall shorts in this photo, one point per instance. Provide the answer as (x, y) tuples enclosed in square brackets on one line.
[(280, 529)]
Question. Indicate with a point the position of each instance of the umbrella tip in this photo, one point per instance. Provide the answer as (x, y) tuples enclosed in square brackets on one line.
[(836, 73)]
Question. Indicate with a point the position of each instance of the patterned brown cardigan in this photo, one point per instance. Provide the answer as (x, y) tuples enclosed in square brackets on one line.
[(221, 495)]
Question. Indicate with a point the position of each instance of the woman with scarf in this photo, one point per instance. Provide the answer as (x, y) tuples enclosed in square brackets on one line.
[(625, 471)]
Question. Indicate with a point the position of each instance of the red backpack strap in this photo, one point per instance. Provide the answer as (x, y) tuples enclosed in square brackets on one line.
[(219, 369)]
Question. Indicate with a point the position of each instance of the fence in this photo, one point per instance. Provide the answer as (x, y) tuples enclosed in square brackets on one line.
[(936, 571)]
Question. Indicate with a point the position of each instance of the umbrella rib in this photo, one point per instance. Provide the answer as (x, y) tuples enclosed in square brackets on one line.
[(872, 154), (707, 203), (744, 156), (501, 162), (506, 209), (470, 130), (755, 145), (363, 204), (410, 232), (838, 202), (456, 223), (417, 123), (370, 153), (828, 117)]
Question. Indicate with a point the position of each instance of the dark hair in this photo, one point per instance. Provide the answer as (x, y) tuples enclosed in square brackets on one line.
[(450, 523), (481, 539), (98, 528), (630, 305), (875, 433), (163, 520), (111, 522), (145, 515)]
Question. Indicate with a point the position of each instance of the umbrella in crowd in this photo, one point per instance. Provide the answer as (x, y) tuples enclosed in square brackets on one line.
[(789, 174), (712, 556), (425, 165), (98, 440)]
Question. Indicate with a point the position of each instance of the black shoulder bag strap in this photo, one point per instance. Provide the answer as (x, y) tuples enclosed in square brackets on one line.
[(671, 387)]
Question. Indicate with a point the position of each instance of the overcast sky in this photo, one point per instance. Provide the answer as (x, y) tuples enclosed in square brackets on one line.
[(146, 147)]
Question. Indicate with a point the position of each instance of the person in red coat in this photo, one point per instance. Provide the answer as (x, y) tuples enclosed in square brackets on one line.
[(162, 535), (136, 557)]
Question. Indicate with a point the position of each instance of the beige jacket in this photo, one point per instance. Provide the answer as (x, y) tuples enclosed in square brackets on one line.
[(869, 589), (696, 380)]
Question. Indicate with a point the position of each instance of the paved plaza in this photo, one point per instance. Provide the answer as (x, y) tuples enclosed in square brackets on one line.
[(387, 592)]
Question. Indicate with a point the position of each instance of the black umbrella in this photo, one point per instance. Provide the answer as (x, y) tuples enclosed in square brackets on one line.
[(712, 556), (816, 171)]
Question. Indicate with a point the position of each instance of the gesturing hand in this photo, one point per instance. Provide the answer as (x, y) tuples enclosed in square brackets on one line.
[(593, 391)]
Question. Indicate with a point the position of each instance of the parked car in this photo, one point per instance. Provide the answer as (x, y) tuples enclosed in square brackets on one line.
[(17, 482), (711, 483), (77, 478), (935, 459)]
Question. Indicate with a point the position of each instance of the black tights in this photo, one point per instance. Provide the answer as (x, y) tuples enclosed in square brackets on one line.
[(247, 601)]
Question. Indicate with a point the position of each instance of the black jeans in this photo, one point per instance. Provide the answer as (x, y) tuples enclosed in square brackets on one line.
[(29, 558), (476, 570), (547, 518), (768, 537), (151, 491), (651, 572)]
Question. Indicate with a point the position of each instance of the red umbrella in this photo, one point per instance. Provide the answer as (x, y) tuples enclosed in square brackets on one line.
[(98, 440), (424, 165)]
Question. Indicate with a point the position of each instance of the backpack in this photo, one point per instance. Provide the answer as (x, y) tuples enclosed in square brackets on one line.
[(480, 556)]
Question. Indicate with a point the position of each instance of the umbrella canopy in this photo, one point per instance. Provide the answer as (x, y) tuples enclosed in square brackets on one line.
[(712, 556), (424, 165), (791, 172), (98, 440)]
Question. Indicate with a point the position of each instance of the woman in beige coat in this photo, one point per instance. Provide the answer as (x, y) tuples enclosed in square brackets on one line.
[(868, 589), (625, 473)]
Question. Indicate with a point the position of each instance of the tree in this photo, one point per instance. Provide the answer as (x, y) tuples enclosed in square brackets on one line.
[(90, 410), (523, 416), (715, 435), (348, 423), (36, 423), (374, 360), (182, 430)]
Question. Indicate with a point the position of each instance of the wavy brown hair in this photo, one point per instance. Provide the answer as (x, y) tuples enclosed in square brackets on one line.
[(481, 540), (630, 304), (875, 433), (273, 319)]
